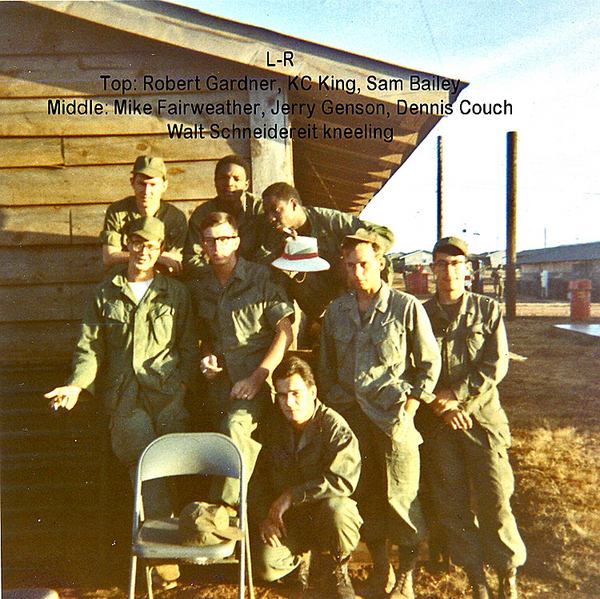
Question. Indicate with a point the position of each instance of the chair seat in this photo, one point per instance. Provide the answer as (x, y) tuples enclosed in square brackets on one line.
[(160, 539)]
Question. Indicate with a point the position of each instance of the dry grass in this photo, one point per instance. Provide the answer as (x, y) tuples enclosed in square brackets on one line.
[(553, 403)]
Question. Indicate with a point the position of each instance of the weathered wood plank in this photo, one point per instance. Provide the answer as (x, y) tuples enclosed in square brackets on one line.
[(45, 151), (59, 75), (37, 341), (59, 225), (122, 149), (35, 225), (33, 117), (98, 184), (25, 303), (50, 264)]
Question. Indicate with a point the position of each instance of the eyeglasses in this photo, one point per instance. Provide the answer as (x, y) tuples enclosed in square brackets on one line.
[(139, 246), (225, 239), (454, 264)]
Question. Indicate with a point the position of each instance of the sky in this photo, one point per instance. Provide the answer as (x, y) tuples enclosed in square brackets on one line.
[(542, 57)]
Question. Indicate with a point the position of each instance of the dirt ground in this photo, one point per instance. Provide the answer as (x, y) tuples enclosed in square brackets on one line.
[(552, 397)]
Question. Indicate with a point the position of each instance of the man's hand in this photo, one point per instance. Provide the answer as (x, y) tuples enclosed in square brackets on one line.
[(169, 263), (209, 366), (411, 405), (270, 533), (445, 399), (248, 388), (63, 397), (458, 419)]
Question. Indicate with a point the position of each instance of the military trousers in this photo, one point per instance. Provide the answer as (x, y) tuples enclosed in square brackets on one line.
[(328, 525), (466, 469), (238, 419), (131, 432), (389, 482)]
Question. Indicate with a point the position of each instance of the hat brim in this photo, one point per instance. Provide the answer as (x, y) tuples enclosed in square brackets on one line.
[(308, 265), (150, 172), (145, 235)]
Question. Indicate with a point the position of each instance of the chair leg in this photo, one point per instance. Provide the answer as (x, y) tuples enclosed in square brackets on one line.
[(241, 582), (132, 576), (149, 581), (249, 566)]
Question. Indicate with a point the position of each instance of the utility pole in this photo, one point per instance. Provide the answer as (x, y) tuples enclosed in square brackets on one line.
[(440, 209), (511, 225)]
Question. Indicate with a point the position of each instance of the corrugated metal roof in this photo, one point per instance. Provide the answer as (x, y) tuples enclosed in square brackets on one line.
[(340, 173), (562, 253)]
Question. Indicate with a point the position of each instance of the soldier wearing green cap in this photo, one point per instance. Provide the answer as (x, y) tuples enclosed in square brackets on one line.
[(149, 182), (138, 351), (466, 430), (287, 216), (379, 360)]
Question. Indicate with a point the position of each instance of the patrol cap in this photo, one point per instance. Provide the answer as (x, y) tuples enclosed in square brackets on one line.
[(148, 228), (453, 244), (202, 523), (151, 166), (385, 243)]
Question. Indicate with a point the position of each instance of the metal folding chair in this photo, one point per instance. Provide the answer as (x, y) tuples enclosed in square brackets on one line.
[(158, 541)]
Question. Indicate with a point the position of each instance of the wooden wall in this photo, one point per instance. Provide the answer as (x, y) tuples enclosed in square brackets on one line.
[(59, 173)]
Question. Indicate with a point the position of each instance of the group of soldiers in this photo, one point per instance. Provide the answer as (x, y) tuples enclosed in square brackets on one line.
[(196, 320)]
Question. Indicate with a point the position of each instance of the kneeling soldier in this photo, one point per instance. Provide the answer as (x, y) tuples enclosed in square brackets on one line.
[(300, 492)]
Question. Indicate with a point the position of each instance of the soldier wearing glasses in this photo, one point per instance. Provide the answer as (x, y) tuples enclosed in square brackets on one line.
[(138, 331), (466, 430), (245, 329)]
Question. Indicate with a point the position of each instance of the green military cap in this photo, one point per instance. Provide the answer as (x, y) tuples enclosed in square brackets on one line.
[(384, 242), (453, 244), (151, 166), (148, 228)]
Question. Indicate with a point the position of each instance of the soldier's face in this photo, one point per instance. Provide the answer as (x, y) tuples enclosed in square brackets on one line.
[(220, 244), (143, 254), (450, 272), (363, 267), (148, 192), (280, 213), (231, 182), (296, 399)]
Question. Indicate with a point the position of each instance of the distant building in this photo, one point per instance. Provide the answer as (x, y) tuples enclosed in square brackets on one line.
[(563, 263), (411, 260)]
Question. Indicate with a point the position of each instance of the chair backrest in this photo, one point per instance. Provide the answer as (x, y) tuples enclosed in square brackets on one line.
[(190, 453)]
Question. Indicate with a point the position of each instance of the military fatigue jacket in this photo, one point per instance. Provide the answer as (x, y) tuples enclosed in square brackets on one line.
[(379, 361), (250, 227), (121, 214), (474, 352), (322, 462), (150, 346), (315, 290), (237, 323)]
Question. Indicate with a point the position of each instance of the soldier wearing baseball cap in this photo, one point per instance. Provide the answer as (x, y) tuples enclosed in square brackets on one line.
[(149, 182), (465, 430), (138, 340)]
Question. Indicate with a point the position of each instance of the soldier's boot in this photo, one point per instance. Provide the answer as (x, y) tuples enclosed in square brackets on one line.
[(404, 587), (407, 561), (507, 584), (478, 583), (340, 586), (382, 578)]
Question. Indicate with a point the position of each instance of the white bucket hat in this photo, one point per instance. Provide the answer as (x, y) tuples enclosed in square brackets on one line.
[(301, 255)]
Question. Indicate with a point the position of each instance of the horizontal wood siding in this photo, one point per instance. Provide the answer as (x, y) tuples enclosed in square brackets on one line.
[(59, 173)]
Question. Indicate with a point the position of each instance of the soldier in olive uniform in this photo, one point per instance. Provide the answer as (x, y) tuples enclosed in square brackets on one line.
[(232, 180), (466, 430), (287, 216), (379, 361), (245, 329), (149, 182), (299, 495), (139, 332)]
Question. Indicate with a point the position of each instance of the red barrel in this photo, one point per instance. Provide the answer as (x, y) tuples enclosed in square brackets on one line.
[(580, 292)]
